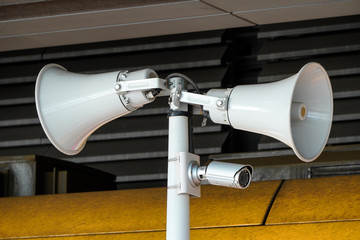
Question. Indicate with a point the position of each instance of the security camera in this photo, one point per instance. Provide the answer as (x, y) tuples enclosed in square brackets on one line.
[(222, 174)]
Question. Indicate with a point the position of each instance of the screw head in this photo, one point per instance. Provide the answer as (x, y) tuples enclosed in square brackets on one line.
[(219, 103), (126, 100), (123, 76), (117, 87)]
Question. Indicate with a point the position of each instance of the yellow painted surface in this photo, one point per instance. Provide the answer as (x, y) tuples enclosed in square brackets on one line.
[(317, 200), (129, 211), (313, 231), (220, 206), (82, 213), (320, 208)]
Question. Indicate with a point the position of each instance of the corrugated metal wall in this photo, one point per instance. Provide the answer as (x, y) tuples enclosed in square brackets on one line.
[(135, 147)]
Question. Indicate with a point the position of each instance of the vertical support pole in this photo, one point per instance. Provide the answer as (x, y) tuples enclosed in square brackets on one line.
[(178, 205)]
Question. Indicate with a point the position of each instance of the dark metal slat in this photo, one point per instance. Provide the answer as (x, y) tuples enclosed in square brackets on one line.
[(347, 109), (309, 27), (310, 46), (17, 112), (346, 86), (338, 65), (341, 133), (144, 148), (135, 45)]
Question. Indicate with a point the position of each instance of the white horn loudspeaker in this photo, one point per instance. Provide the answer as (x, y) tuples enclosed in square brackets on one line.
[(72, 106), (296, 111)]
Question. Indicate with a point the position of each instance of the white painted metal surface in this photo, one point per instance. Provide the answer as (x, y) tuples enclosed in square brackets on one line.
[(296, 111), (266, 109), (72, 106), (178, 205)]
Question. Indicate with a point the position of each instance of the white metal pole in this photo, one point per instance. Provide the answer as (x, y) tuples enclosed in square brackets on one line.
[(178, 210)]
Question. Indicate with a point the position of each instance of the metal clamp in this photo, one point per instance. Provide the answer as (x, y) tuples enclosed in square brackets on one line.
[(174, 98), (120, 77), (186, 184)]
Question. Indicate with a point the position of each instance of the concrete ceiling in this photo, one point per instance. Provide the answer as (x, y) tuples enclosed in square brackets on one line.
[(26, 24)]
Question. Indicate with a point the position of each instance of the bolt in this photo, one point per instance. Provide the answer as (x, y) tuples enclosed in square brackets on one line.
[(117, 87), (126, 101), (219, 103), (123, 76)]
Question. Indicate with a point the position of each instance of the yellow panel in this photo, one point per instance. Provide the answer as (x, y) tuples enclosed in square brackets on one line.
[(82, 213), (314, 231), (129, 211), (220, 206), (317, 200), (111, 236)]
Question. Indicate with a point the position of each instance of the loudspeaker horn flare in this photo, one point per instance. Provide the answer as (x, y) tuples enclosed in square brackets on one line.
[(72, 106), (296, 111)]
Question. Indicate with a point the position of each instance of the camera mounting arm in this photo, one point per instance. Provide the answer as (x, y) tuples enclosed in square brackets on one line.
[(221, 174), (216, 173)]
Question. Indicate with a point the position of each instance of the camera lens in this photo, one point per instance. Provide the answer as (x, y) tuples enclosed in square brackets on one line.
[(244, 177)]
